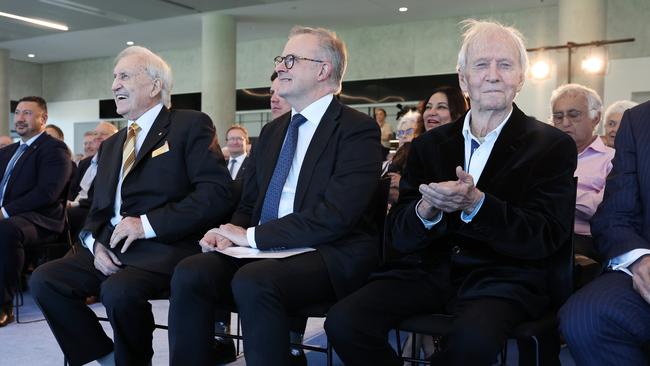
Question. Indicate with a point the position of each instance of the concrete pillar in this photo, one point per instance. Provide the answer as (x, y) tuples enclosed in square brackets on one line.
[(4, 92), (580, 21), (218, 70)]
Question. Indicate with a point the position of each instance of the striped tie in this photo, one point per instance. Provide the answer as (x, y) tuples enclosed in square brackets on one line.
[(128, 153)]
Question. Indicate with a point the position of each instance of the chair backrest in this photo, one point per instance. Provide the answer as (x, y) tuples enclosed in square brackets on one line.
[(560, 276)]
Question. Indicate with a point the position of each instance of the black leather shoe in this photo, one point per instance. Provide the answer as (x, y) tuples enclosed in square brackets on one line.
[(224, 351), (6, 314), (298, 358)]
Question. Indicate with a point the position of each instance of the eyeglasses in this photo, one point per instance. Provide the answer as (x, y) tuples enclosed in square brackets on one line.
[(572, 115), (235, 139), (403, 133), (290, 59)]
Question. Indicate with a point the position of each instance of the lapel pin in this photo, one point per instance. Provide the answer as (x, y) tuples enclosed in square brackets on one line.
[(159, 133)]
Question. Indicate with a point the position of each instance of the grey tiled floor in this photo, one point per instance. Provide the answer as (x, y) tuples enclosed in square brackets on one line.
[(33, 344)]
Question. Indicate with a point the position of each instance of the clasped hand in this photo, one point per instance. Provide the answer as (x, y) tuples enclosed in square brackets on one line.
[(450, 196), (641, 277), (222, 237)]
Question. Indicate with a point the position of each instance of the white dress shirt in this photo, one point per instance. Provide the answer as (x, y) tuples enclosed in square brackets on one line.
[(474, 164), (239, 161), (86, 182), (28, 143), (144, 122), (313, 113)]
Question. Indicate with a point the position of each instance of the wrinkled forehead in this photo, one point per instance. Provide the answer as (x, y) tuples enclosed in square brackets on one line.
[(571, 100), (130, 64), (28, 106), (497, 44)]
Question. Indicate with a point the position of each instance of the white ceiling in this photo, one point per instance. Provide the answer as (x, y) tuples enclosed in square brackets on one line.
[(100, 28)]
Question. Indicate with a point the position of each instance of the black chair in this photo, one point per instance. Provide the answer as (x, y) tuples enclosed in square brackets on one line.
[(532, 336)]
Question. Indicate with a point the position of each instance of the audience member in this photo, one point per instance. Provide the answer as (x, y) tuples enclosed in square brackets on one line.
[(576, 110), (613, 115), (485, 201), (84, 177), (54, 131), (5, 141), (89, 144), (335, 150), (36, 172), (237, 142), (279, 106), (606, 322), (445, 105), (157, 187), (386, 128), (409, 127)]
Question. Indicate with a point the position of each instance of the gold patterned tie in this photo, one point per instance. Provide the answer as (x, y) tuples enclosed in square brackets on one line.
[(128, 152)]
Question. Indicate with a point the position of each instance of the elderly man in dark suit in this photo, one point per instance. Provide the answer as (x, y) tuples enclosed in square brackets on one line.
[(157, 187), (36, 172), (309, 183), (607, 322), (484, 201)]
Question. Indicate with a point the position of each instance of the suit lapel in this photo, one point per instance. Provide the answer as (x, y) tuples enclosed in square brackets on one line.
[(23, 158), (108, 168), (319, 142), (453, 148), (508, 142), (157, 132)]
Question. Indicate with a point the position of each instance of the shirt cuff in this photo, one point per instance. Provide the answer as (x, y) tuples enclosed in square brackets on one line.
[(468, 218), (146, 226), (88, 241), (250, 236), (4, 213), (428, 224), (74, 203), (623, 261)]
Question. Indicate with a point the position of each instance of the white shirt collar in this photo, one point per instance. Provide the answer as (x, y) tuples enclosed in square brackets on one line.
[(146, 120), (31, 140), (315, 111), (467, 131)]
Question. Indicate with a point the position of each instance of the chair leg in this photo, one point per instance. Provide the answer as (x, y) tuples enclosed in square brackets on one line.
[(398, 342), (330, 357), (238, 334)]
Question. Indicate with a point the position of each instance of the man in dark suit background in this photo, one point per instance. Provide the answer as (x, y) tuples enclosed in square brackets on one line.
[(78, 196), (607, 322), (237, 142), (309, 183), (36, 170), (484, 201), (158, 187)]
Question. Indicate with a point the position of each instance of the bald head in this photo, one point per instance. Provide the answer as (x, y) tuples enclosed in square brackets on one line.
[(103, 131)]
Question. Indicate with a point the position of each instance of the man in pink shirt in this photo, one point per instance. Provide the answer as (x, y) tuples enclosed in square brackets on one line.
[(576, 110)]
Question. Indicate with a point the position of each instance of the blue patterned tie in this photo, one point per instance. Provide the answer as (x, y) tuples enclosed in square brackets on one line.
[(282, 167), (10, 167)]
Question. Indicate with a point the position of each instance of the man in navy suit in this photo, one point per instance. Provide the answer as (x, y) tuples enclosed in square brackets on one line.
[(607, 322), (309, 183), (483, 203), (237, 143), (35, 171), (158, 187)]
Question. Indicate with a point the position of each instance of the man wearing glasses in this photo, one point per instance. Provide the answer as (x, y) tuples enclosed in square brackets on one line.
[(309, 183), (237, 142), (576, 110)]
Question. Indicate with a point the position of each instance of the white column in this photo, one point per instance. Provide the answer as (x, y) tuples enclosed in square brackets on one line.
[(4, 92), (218, 70), (580, 21)]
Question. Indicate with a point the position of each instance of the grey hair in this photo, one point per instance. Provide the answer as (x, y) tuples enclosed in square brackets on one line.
[(333, 48), (155, 67), (594, 103), (410, 116), (473, 29), (619, 107)]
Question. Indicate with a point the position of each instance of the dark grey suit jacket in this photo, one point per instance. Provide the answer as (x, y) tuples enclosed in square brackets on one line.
[(184, 191), (526, 216), (622, 221), (337, 180), (35, 190)]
